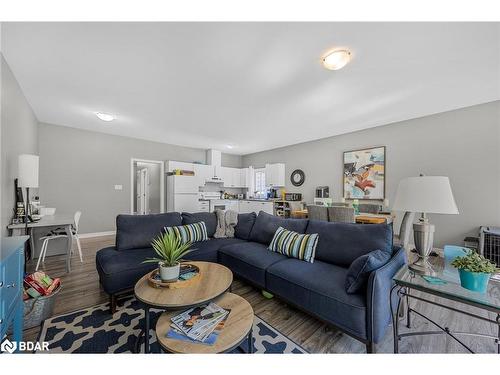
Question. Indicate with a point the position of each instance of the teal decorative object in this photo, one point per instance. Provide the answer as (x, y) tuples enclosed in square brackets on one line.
[(475, 281)]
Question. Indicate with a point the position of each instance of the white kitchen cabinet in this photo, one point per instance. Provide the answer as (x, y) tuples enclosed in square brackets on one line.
[(255, 206), (204, 206), (275, 175), (203, 173), (226, 174), (243, 177), (244, 207), (171, 165)]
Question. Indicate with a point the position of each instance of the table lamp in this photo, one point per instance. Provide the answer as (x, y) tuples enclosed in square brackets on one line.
[(424, 194), (28, 177)]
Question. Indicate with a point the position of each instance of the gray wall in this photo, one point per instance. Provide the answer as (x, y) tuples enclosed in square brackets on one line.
[(19, 135), (463, 144), (79, 168)]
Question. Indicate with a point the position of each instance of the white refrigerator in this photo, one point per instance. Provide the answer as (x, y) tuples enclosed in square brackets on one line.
[(182, 194)]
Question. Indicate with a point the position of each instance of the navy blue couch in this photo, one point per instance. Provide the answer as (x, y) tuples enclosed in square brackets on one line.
[(317, 288)]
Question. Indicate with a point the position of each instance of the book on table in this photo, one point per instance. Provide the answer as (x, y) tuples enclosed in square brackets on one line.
[(199, 324)]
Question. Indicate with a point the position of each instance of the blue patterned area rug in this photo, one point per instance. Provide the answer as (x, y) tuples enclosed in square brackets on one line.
[(95, 330)]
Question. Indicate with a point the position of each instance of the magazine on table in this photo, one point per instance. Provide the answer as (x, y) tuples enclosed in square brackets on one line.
[(210, 339), (198, 322)]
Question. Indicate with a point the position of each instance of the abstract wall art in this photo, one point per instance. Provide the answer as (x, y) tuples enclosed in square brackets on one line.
[(364, 173)]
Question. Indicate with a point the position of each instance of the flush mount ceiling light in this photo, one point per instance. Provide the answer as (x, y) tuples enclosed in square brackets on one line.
[(105, 116), (336, 59), (229, 146)]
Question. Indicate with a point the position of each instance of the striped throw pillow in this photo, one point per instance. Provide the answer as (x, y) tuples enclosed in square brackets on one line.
[(189, 233), (294, 245)]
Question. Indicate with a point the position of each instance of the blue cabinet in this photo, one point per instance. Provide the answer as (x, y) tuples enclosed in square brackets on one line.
[(11, 286)]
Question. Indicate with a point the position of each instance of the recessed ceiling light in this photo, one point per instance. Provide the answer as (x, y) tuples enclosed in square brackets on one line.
[(229, 146), (104, 116), (336, 59)]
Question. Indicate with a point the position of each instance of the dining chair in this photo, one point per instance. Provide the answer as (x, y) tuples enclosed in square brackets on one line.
[(61, 233), (315, 212), (341, 214), (370, 208)]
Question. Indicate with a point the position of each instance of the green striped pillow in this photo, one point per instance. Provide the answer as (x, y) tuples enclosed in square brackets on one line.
[(294, 245), (189, 233)]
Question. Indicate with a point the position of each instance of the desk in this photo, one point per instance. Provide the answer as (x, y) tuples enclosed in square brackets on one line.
[(361, 218), (65, 221)]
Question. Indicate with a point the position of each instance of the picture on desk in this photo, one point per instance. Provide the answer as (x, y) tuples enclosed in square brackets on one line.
[(364, 173)]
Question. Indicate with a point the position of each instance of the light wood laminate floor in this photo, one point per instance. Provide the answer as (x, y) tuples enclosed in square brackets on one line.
[(81, 289)]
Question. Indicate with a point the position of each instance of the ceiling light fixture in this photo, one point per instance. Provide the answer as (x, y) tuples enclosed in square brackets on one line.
[(105, 116), (229, 146), (336, 59)]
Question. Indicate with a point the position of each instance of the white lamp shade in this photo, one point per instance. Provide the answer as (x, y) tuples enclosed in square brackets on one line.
[(28, 171), (428, 194)]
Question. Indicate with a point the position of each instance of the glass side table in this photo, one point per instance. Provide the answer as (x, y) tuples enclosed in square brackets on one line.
[(407, 282)]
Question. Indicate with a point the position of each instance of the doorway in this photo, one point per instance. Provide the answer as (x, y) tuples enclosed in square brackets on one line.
[(147, 187)]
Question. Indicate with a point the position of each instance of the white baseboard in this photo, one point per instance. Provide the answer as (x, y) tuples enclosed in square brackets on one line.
[(97, 234)]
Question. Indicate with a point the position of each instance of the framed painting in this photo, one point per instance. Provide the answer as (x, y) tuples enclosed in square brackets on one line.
[(364, 173)]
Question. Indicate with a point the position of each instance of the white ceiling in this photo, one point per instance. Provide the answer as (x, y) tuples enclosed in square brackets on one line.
[(255, 86)]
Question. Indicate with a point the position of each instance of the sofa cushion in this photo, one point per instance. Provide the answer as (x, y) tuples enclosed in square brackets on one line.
[(209, 218), (244, 226), (359, 270), (208, 250), (342, 243), (189, 233), (319, 288), (137, 231), (249, 260), (266, 225), (120, 270), (294, 245)]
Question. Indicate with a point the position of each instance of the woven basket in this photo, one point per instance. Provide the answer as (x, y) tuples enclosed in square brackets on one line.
[(36, 310)]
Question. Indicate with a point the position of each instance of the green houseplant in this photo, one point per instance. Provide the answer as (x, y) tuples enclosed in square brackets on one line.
[(475, 271), (170, 251)]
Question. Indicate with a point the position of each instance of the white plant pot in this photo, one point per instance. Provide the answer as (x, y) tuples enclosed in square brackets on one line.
[(169, 273)]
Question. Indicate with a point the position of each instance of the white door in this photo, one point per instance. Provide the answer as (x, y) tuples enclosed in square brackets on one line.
[(142, 191)]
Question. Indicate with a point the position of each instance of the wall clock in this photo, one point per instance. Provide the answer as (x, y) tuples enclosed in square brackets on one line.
[(297, 177)]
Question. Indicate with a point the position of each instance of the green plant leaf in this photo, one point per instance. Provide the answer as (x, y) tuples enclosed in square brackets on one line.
[(474, 262), (169, 249)]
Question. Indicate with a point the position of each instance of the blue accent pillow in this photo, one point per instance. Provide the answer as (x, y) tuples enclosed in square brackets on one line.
[(294, 245), (359, 271)]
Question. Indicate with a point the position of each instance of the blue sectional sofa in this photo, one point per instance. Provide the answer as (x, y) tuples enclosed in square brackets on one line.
[(317, 288)]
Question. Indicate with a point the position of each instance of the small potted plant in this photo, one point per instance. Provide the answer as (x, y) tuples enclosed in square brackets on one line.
[(170, 251), (475, 271)]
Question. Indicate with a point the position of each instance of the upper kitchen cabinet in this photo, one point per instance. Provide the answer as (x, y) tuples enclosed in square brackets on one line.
[(204, 173), (234, 177), (173, 165), (275, 175)]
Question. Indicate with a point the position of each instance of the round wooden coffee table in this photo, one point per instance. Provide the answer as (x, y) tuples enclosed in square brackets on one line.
[(214, 280), (237, 329)]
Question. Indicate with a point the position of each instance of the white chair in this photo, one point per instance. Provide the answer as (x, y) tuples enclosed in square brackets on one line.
[(61, 233)]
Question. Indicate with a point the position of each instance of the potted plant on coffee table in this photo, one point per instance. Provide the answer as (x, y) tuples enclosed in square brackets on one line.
[(475, 271), (170, 251)]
